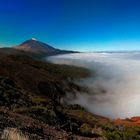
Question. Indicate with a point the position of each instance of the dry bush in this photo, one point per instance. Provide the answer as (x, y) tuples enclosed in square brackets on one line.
[(13, 134)]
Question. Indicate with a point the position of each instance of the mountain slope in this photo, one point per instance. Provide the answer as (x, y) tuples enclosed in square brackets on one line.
[(32, 100)]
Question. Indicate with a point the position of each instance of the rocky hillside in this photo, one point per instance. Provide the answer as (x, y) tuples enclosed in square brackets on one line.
[(32, 99)]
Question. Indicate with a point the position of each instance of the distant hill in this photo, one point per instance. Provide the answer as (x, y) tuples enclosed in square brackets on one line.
[(35, 46)]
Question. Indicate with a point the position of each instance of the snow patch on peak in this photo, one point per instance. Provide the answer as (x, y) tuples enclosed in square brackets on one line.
[(33, 39)]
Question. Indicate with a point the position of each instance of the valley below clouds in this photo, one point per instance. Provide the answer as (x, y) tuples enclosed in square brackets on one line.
[(114, 84)]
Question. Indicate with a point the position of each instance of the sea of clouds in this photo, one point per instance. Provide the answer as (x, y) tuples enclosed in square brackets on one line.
[(114, 84)]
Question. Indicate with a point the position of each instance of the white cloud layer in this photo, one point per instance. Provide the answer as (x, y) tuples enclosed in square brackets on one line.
[(114, 85)]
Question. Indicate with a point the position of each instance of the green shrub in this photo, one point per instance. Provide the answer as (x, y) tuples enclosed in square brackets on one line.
[(85, 129), (39, 100)]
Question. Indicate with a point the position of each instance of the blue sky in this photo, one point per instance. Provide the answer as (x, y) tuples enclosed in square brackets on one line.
[(84, 25)]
